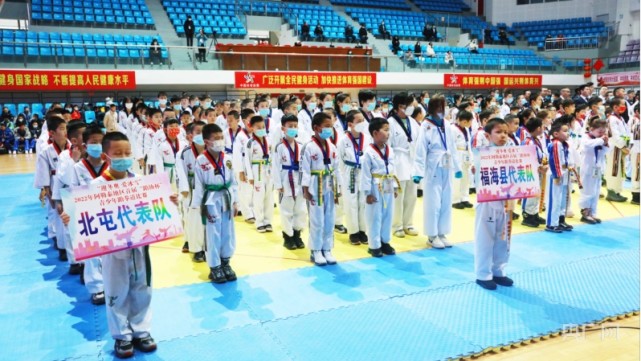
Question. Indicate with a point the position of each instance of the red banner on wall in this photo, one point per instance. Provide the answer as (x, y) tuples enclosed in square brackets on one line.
[(66, 80), (279, 79), (484, 81), (619, 79)]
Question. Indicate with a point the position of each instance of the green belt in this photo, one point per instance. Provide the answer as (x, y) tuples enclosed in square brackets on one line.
[(171, 173), (214, 188)]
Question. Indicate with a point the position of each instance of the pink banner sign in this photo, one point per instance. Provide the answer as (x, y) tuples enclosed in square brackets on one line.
[(508, 173)]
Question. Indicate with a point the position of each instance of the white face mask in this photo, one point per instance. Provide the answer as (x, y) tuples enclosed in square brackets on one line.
[(361, 127), (129, 105), (409, 111), (219, 146)]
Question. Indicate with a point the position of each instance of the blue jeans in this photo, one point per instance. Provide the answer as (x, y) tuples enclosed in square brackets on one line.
[(29, 144)]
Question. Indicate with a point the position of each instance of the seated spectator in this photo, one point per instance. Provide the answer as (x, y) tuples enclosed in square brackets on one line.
[(6, 138), (396, 45), (362, 34), (548, 42), (429, 51), (434, 34), (410, 59), (349, 34), (449, 59), (35, 128), (318, 31), (26, 113), (503, 37), (417, 49), (383, 30), (474, 47), (155, 55), (6, 115), (23, 142), (487, 35), (75, 113), (560, 40), (304, 31)]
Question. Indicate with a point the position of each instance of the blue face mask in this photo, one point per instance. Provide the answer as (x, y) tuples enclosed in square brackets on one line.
[(328, 104), (371, 107), (509, 100), (264, 112), (260, 133), (426, 101), (94, 150), (198, 139), (292, 132), (177, 108), (196, 103), (327, 133), (121, 164), (523, 101), (346, 108), (311, 106), (299, 107)]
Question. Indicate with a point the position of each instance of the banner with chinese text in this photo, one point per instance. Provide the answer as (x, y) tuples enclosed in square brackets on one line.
[(508, 173), (119, 215), (66, 80), (481, 81), (619, 79), (272, 79)]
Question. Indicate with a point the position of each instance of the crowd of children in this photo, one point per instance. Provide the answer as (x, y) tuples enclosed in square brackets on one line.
[(330, 165)]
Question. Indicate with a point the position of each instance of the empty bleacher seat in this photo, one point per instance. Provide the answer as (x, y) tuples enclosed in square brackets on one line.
[(94, 13)]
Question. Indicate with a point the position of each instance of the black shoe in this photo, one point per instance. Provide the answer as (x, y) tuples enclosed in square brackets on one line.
[(488, 285), (239, 214), (145, 344), (598, 220), (419, 193), (217, 275), (297, 240), (615, 197), (355, 239), (468, 204), (635, 198), (185, 247), (261, 229), (268, 228), (564, 226), (75, 269), (515, 216), (123, 349), (62, 255), (588, 220), (199, 257), (289, 242), (503, 281), (387, 249), (340, 229), (472, 190), (230, 275), (375, 252), (363, 236), (458, 205), (98, 298), (540, 219), (556, 229), (529, 221)]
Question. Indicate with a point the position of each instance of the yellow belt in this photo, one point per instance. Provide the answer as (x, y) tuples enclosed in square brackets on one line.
[(383, 177), (260, 164), (320, 174)]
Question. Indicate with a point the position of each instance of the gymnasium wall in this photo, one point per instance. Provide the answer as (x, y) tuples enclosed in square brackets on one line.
[(506, 11)]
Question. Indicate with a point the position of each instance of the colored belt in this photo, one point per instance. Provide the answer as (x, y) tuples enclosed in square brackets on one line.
[(383, 177), (214, 188), (171, 172), (260, 164), (352, 174), (321, 174), (290, 175)]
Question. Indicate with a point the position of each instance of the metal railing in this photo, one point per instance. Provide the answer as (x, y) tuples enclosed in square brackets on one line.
[(573, 43), (114, 56)]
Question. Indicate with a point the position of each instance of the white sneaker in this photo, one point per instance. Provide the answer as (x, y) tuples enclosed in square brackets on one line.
[(444, 240), (410, 231), (435, 242), (399, 233), (318, 259), (329, 257)]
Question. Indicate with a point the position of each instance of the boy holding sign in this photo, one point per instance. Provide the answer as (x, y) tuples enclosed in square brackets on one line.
[(127, 273)]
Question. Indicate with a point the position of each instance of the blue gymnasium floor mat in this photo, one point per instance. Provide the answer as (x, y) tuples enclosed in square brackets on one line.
[(417, 304)]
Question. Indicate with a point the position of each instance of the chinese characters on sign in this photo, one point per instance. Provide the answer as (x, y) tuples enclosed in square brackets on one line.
[(54, 80), (508, 173), (479, 81), (263, 79), (117, 215)]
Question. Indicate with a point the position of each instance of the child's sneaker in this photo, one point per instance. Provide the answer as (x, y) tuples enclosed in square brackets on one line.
[(459, 205), (98, 298), (75, 269), (363, 236), (375, 252), (399, 233), (123, 349), (529, 221), (145, 344), (318, 259), (297, 240), (564, 226), (468, 204), (488, 285), (261, 229), (340, 229), (62, 255), (250, 220), (445, 241), (355, 239), (329, 257), (435, 242), (217, 275), (503, 281), (230, 275), (268, 228), (199, 257), (410, 231), (387, 249), (185, 247), (289, 242), (556, 229)]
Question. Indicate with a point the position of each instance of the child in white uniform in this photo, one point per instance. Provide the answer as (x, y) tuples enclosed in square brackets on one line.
[(461, 198), (594, 147), (258, 172)]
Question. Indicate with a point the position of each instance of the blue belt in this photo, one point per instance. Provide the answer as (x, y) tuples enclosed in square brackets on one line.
[(228, 150), (352, 164), (291, 167)]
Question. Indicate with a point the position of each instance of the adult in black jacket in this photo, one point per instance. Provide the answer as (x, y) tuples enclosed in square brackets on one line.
[(349, 34), (362, 34), (304, 31), (189, 30)]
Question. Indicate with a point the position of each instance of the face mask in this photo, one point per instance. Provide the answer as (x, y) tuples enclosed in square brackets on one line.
[(173, 132), (299, 107), (177, 107), (196, 103), (94, 150), (622, 109), (129, 105), (264, 112), (426, 101), (219, 146), (292, 132), (440, 115), (121, 164), (328, 104), (260, 133), (327, 133), (371, 107), (601, 109), (346, 108), (477, 109), (360, 127), (523, 101), (493, 104), (409, 111), (207, 105), (198, 139), (311, 106), (509, 100), (143, 118), (162, 101)]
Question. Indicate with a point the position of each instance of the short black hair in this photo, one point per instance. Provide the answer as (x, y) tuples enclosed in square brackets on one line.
[(152, 111), (510, 118), (565, 119), (567, 102), (169, 122), (194, 124), (54, 121), (319, 118), (486, 114), (533, 123), (492, 123), (557, 126), (288, 118), (594, 100), (91, 130), (402, 99), (376, 124), (256, 119), (580, 107), (244, 113), (464, 115), (234, 114), (365, 95), (349, 118), (112, 137), (596, 122), (74, 128), (210, 129)]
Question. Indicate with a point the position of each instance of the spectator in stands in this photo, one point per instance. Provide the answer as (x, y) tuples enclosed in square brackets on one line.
[(22, 138), (503, 37), (26, 113), (6, 116), (6, 138), (35, 129), (304, 31), (318, 32), (474, 47), (410, 59), (396, 45), (417, 49), (429, 51), (383, 30), (111, 119), (487, 35), (349, 34), (75, 113), (202, 41), (548, 42), (427, 32), (449, 59), (560, 41), (362, 34), (190, 29), (154, 53)]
